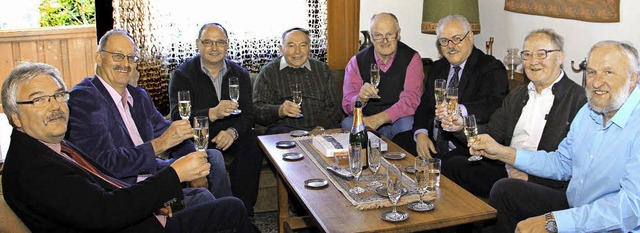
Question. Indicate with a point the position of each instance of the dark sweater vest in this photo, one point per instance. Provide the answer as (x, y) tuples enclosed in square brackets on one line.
[(391, 82)]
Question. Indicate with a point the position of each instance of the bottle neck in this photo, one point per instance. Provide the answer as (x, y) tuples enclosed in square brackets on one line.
[(358, 124)]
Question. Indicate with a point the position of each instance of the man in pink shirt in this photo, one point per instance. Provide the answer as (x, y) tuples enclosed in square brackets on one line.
[(400, 84)]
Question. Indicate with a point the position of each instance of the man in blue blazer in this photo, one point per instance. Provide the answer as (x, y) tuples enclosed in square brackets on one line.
[(119, 127)]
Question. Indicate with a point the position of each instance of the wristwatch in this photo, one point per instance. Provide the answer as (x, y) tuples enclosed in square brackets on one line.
[(551, 223)]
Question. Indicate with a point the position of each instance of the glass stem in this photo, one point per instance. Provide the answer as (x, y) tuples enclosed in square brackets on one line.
[(421, 194), (394, 207)]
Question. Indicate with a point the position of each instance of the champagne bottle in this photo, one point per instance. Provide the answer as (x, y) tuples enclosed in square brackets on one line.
[(359, 134)]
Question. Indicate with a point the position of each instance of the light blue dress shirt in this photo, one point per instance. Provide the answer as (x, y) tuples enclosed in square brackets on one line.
[(603, 164)]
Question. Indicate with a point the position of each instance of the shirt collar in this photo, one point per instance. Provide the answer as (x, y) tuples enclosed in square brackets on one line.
[(461, 68), (284, 64), (117, 98), (623, 115), (222, 71), (383, 66)]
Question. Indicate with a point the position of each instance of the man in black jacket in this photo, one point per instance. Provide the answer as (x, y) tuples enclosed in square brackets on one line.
[(206, 77), (482, 84), (535, 116)]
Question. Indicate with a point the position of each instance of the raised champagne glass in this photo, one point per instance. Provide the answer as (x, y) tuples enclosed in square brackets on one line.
[(297, 97), (184, 104), (375, 79), (452, 104), (201, 132), (440, 91), (234, 92), (471, 131)]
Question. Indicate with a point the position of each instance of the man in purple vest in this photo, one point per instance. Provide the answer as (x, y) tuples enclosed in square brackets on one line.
[(400, 84)]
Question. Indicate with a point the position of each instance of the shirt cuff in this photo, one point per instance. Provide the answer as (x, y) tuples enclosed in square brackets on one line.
[(463, 110), (424, 131), (563, 221)]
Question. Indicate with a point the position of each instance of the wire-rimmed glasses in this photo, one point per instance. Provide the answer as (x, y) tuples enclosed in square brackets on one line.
[(455, 40), (539, 54)]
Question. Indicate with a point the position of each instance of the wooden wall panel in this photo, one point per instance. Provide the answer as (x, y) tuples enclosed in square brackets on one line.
[(70, 49), (343, 24)]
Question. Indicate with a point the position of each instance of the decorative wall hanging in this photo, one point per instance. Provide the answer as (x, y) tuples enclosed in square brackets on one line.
[(602, 11)]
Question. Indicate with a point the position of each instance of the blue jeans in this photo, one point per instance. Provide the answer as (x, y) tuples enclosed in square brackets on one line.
[(387, 130)]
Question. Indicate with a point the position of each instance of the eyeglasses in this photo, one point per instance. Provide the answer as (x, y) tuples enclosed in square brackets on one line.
[(455, 40), (118, 57), (217, 43), (539, 54), (37, 102), (389, 36)]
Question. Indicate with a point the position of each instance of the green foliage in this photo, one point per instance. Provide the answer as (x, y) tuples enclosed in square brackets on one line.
[(67, 12)]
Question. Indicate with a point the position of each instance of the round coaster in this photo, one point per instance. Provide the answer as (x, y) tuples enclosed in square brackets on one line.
[(394, 155), (398, 216), (285, 144), (299, 133), (292, 156), (316, 183), (421, 207)]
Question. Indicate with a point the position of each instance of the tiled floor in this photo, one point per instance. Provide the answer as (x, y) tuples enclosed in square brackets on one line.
[(267, 222)]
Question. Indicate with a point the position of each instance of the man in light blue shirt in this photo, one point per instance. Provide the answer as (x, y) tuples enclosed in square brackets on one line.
[(600, 155)]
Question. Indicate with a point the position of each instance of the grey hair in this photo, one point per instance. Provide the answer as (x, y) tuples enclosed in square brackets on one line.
[(452, 18), (23, 73), (105, 37), (556, 39), (305, 31), (625, 47)]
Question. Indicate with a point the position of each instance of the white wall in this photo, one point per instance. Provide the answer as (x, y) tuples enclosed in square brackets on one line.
[(509, 29)]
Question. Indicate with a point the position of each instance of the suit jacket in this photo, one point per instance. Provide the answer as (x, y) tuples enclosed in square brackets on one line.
[(482, 87), (51, 194), (95, 125), (189, 76)]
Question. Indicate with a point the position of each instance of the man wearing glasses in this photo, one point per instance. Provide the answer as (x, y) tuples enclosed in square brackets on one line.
[(118, 126), (481, 81), (401, 76), (535, 116), (54, 187), (206, 77)]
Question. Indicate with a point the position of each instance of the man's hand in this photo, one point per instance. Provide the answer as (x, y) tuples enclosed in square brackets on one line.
[(366, 91), (455, 122), (177, 132), (375, 121), (224, 109), (424, 146), (192, 166), (517, 174), (533, 224), (224, 139), (289, 109), (198, 183), (441, 110), (486, 146)]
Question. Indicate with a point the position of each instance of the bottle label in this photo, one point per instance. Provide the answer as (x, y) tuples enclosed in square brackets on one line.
[(357, 129)]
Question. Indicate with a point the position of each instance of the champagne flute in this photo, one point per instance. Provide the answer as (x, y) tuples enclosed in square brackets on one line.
[(234, 92), (374, 160), (394, 190), (184, 104), (422, 177), (297, 96), (201, 132), (452, 104), (471, 131), (440, 91), (355, 166), (375, 79)]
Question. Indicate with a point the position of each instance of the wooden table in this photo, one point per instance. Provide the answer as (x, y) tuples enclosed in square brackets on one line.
[(330, 211)]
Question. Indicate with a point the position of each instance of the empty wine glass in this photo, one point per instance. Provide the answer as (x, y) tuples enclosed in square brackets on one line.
[(234, 92), (394, 190), (374, 160), (452, 104), (355, 166), (201, 132), (375, 79), (297, 96), (421, 178), (471, 131), (440, 92), (184, 104)]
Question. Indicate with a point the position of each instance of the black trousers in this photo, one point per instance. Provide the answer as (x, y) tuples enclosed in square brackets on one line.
[(517, 200), (476, 177), (244, 171), (226, 214)]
